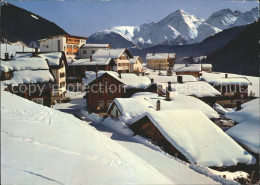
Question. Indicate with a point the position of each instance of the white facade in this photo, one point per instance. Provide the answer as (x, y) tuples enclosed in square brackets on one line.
[(62, 43), (88, 50)]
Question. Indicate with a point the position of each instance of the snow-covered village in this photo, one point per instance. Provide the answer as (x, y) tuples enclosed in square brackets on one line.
[(129, 92)]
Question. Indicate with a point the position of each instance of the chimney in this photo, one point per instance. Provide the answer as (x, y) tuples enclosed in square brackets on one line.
[(168, 95), (169, 86), (90, 58), (142, 73), (6, 56), (238, 105), (109, 54), (186, 65), (179, 79), (96, 71), (119, 73), (158, 105), (152, 80), (36, 50), (226, 75), (153, 53)]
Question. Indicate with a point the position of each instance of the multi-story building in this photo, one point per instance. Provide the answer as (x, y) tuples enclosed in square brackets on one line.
[(87, 50), (68, 43), (160, 61), (136, 64), (121, 57)]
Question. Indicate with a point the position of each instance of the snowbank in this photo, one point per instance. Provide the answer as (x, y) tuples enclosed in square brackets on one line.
[(43, 146), (247, 131), (52, 57)]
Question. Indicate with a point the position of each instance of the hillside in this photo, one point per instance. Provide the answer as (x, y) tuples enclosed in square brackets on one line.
[(22, 25), (240, 55)]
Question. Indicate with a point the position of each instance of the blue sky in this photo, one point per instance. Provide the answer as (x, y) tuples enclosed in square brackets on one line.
[(86, 17)]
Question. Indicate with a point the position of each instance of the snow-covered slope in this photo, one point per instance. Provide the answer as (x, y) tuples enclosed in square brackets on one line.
[(223, 18), (247, 131), (179, 28), (43, 146)]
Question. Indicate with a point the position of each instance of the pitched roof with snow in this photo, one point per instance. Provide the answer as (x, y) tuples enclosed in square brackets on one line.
[(28, 77), (160, 55), (95, 46), (52, 57), (247, 130), (91, 76), (172, 79), (95, 61), (179, 102), (133, 60), (110, 53), (199, 89), (206, 65), (198, 138), (216, 79), (187, 67), (24, 64), (132, 107)]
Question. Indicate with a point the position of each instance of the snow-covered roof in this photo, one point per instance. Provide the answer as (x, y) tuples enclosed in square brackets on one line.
[(179, 102), (28, 76), (91, 76), (133, 60), (131, 80), (37, 133), (18, 64), (172, 79), (247, 131), (87, 62), (108, 53), (187, 67), (132, 107), (13, 48), (95, 46), (216, 79), (199, 89), (52, 57), (160, 55), (206, 65), (198, 138)]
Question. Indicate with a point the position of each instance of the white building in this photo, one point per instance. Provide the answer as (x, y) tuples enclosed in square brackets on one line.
[(68, 43), (87, 50)]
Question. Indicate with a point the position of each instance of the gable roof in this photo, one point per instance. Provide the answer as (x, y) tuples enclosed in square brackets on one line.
[(95, 61), (216, 79), (131, 80), (187, 67), (160, 55), (198, 138), (91, 76), (111, 53), (133, 60)]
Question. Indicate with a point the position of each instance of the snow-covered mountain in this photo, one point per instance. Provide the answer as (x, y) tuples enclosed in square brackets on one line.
[(178, 28)]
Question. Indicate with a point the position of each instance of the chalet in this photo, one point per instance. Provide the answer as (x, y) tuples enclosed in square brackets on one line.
[(190, 136), (87, 50), (69, 44), (57, 63), (232, 88), (136, 65), (160, 61), (121, 57), (101, 89), (112, 85), (206, 67), (30, 78), (187, 69)]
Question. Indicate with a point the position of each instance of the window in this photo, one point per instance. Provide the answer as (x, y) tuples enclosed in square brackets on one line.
[(108, 103), (47, 46), (38, 100), (84, 51), (43, 46), (101, 104), (62, 75), (92, 51), (62, 84)]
